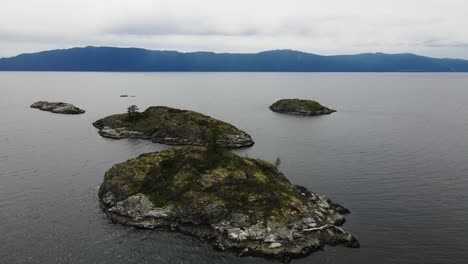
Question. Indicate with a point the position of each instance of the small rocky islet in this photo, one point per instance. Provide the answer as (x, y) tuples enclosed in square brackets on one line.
[(241, 205), (171, 126), (300, 107), (58, 107)]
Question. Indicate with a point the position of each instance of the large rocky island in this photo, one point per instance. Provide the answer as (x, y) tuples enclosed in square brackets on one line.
[(58, 107), (241, 205), (171, 126), (300, 107)]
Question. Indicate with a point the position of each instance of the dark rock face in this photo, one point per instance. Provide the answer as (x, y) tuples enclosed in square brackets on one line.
[(58, 107), (242, 205), (172, 126), (300, 107)]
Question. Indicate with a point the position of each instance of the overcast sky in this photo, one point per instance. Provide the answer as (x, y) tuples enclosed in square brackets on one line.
[(436, 28)]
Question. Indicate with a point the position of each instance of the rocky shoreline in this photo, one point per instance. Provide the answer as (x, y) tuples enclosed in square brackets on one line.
[(58, 107), (280, 221), (235, 233), (233, 141), (306, 112)]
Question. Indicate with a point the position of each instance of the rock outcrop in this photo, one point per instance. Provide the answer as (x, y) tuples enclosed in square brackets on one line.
[(241, 205), (172, 126), (58, 107), (300, 107)]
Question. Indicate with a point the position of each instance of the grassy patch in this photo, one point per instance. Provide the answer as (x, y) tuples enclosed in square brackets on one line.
[(187, 176)]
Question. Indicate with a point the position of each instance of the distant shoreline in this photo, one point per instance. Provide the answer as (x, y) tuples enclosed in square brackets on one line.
[(110, 59)]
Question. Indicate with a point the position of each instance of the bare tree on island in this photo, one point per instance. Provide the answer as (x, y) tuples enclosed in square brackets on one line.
[(277, 162)]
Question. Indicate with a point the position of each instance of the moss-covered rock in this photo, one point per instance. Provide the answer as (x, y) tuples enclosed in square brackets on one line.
[(173, 127), (300, 107), (243, 205)]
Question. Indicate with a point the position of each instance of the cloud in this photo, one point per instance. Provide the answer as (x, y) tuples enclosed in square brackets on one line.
[(428, 27), (172, 26), (444, 44)]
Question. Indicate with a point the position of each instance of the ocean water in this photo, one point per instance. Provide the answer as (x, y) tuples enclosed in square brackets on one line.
[(395, 154)]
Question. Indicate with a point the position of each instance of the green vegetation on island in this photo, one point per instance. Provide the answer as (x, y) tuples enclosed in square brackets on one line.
[(194, 176), (171, 126)]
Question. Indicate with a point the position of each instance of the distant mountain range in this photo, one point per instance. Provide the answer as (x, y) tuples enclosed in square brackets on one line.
[(136, 60)]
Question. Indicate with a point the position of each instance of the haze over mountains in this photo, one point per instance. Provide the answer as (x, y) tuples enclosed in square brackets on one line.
[(135, 59)]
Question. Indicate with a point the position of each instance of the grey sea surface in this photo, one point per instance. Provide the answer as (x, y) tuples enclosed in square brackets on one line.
[(395, 154)]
